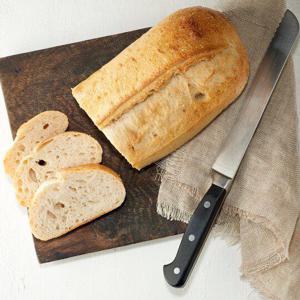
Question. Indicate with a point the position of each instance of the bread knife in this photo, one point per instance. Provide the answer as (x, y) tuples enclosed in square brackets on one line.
[(233, 150)]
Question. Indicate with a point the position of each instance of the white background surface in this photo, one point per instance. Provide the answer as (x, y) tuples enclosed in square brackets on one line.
[(132, 272)]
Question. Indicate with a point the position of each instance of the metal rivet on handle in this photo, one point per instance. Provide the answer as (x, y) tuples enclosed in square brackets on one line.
[(191, 237), (206, 204), (176, 270)]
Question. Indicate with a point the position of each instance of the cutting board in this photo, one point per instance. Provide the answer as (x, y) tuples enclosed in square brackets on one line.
[(41, 80)]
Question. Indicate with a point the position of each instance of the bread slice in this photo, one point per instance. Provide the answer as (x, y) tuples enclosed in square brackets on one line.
[(168, 85), (41, 127), (65, 150), (78, 195)]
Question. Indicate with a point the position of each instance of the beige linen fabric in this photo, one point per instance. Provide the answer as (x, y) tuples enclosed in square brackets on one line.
[(262, 209)]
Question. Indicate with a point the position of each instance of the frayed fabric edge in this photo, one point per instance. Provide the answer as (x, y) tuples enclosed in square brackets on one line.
[(227, 232), (172, 213), (261, 288)]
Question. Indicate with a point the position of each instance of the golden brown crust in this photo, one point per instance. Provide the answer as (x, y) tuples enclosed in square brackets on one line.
[(209, 113), (172, 116), (179, 41), (89, 167), (158, 108)]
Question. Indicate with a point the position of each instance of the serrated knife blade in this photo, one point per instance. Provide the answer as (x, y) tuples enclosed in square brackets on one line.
[(257, 97), (233, 150)]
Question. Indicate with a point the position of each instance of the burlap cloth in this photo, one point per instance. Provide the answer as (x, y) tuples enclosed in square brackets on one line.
[(262, 209)]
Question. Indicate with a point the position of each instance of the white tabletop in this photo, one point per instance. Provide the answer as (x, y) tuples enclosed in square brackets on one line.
[(131, 272)]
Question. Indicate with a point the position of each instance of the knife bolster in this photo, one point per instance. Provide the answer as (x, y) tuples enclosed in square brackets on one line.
[(222, 181)]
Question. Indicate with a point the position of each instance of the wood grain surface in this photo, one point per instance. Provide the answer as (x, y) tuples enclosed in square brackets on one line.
[(41, 80)]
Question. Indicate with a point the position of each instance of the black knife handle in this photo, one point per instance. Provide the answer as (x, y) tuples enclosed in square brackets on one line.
[(194, 238)]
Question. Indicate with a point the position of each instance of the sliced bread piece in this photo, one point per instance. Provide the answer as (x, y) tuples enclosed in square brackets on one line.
[(64, 150), (78, 196), (41, 127)]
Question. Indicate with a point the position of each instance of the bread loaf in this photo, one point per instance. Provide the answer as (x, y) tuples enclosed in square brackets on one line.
[(167, 86), (41, 127), (77, 195), (65, 150)]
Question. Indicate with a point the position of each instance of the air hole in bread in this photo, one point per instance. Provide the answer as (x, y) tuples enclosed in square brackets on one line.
[(32, 175), (72, 188), (59, 205), (57, 227), (46, 126), (81, 153), (199, 96), (17, 161), (51, 215), (49, 175), (21, 147), (41, 162)]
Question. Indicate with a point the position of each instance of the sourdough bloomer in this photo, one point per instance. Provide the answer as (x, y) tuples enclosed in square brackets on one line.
[(166, 86)]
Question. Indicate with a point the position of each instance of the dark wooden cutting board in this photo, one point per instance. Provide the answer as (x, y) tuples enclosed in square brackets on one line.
[(41, 80)]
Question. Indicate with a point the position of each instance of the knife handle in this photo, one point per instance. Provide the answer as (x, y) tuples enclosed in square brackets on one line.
[(194, 238)]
